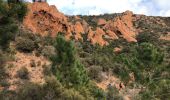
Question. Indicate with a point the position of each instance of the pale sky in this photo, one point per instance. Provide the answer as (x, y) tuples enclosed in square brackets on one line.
[(95, 7)]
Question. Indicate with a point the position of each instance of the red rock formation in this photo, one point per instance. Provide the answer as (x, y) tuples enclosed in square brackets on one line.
[(78, 29), (44, 19), (112, 35), (122, 25), (101, 21), (96, 37), (85, 26), (117, 50)]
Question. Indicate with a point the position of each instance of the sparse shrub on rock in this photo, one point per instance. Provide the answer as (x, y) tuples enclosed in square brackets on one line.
[(94, 72), (33, 63), (23, 73), (25, 45), (48, 51)]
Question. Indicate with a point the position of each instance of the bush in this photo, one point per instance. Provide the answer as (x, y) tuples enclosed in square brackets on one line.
[(25, 45), (32, 63), (96, 92), (94, 72), (2, 58), (3, 73), (29, 91), (149, 55), (147, 37), (47, 70), (71, 94), (23, 73), (51, 90), (19, 9), (113, 94), (48, 51)]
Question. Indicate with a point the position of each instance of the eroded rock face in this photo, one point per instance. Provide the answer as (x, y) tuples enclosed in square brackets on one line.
[(123, 26), (101, 21), (96, 37), (85, 26), (44, 19), (78, 30), (112, 35)]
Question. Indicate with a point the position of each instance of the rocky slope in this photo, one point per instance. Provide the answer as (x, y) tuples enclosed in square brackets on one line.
[(45, 19)]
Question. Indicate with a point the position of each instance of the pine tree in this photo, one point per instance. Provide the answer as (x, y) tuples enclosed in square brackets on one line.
[(9, 15), (66, 66)]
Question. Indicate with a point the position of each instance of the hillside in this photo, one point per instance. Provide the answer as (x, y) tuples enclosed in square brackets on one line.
[(46, 55)]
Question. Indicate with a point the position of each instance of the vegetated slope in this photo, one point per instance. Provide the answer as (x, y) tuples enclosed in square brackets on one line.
[(114, 56)]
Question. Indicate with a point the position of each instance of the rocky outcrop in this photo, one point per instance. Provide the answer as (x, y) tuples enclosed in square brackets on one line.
[(44, 19), (101, 21), (123, 26), (85, 26), (112, 35), (78, 30), (96, 37), (117, 49)]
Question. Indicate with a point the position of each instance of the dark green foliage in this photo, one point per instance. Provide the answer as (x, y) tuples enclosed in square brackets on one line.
[(65, 51), (66, 65), (141, 60), (146, 61), (8, 24), (78, 74), (7, 33), (148, 37), (159, 86), (149, 55), (19, 9)]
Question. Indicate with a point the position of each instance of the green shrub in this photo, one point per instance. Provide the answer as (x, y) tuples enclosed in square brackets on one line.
[(19, 9), (2, 58), (23, 73), (51, 90), (147, 37), (113, 94), (8, 24), (71, 94), (96, 92), (47, 70), (48, 51), (25, 45), (149, 55), (94, 72)]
